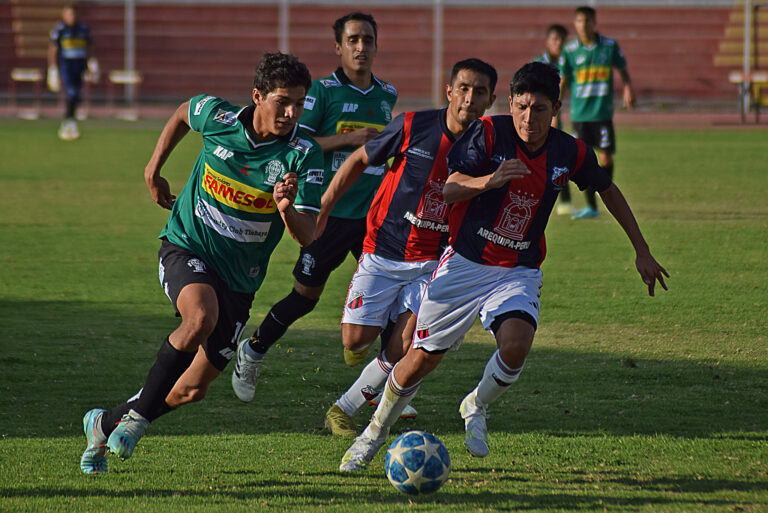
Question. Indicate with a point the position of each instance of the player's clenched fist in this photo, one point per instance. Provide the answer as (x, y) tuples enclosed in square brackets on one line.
[(284, 192), (512, 169)]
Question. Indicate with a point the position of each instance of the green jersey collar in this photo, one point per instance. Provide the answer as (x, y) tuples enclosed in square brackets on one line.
[(245, 116)]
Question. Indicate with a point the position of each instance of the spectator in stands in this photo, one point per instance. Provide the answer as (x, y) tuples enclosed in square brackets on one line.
[(587, 68), (553, 47), (69, 55)]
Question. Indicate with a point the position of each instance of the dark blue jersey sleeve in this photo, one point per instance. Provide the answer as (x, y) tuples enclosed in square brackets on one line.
[(388, 143), (590, 173), (469, 154)]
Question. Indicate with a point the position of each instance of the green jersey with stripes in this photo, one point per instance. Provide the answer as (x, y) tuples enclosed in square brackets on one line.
[(226, 214), (335, 106), (589, 71)]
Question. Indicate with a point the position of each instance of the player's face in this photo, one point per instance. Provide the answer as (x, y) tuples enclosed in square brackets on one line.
[(585, 27), (69, 16), (469, 97), (358, 47), (532, 114), (278, 111), (554, 44)]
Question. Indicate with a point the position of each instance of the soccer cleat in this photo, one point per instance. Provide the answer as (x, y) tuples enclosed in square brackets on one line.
[(338, 422), (409, 412), (586, 213), (565, 209), (352, 358), (94, 459), (246, 373), (475, 430), (127, 434), (362, 451)]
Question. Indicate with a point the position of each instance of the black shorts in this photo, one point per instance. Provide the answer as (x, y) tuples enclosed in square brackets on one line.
[(598, 134), (318, 260), (179, 268)]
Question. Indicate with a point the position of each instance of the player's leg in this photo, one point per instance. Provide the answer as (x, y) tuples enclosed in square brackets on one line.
[(511, 313), (192, 385)]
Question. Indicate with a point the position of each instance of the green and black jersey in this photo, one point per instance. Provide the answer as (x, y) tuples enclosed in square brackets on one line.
[(335, 106), (226, 214)]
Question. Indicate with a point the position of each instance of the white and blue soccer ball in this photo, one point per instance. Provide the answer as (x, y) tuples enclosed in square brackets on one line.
[(417, 463)]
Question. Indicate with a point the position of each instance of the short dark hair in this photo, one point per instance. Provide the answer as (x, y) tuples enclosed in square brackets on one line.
[(536, 77), (477, 66), (587, 11), (280, 70), (558, 29), (338, 25)]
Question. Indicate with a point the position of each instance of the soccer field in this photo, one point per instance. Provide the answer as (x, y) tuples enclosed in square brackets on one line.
[(627, 403)]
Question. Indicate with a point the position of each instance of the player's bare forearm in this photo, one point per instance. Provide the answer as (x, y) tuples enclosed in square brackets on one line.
[(650, 270), (354, 138), (175, 129), (300, 225), (53, 52), (345, 176)]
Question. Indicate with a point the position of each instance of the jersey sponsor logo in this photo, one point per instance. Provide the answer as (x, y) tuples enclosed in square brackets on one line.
[(231, 227), (309, 102), (199, 106), (425, 223), (387, 110), (300, 144), (275, 171), (315, 176), (329, 82), (503, 241), (237, 195), (434, 207), (226, 117), (349, 107), (418, 152), (516, 216), (222, 153), (197, 265), (342, 127), (592, 89), (593, 74)]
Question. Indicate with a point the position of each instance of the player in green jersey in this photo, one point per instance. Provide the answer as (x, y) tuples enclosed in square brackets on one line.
[(587, 68), (343, 111), (553, 49), (256, 174)]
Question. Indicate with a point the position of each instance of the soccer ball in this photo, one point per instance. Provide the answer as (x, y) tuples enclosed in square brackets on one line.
[(417, 463)]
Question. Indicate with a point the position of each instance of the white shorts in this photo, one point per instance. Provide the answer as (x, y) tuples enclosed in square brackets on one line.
[(382, 289), (461, 289)]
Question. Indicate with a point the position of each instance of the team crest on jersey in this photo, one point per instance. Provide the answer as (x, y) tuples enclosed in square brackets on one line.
[(196, 265), (387, 110), (559, 177), (226, 117), (516, 217), (275, 170), (434, 207)]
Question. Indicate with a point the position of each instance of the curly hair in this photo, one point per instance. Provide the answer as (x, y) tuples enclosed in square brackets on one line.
[(280, 70)]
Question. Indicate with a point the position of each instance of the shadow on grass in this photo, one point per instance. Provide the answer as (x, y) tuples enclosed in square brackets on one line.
[(61, 358)]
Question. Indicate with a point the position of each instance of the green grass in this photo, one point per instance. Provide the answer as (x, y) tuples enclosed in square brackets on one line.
[(628, 403)]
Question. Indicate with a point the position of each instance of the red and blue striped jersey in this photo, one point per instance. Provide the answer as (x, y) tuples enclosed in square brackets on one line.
[(505, 226), (408, 218)]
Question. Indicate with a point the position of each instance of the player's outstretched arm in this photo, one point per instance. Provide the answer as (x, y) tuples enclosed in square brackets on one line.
[(174, 131), (650, 270), (300, 225), (461, 187), (354, 138), (345, 176)]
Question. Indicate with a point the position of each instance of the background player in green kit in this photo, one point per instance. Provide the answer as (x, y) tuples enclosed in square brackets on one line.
[(257, 173), (587, 68), (553, 49), (343, 111)]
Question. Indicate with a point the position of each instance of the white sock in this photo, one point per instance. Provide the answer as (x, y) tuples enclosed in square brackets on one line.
[(496, 379), (367, 386), (393, 401)]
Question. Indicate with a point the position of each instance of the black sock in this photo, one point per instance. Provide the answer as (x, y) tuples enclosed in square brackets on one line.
[(283, 314), (565, 194), (71, 107), (169, 365), (110, 418)]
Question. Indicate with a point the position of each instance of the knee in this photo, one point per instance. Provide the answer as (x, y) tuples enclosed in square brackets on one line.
[(356, 337)]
